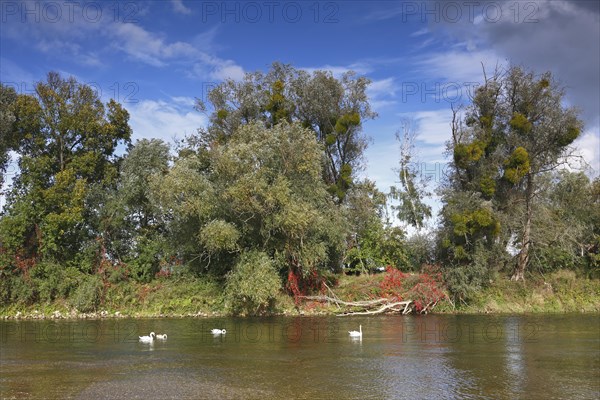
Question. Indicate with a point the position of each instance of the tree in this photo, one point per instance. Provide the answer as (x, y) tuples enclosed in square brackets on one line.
[(413, 188), (8, 142), (334, 109), (515, 130), (129, 220), (565, 229), (66, 142), (261, 191), (373, 242)]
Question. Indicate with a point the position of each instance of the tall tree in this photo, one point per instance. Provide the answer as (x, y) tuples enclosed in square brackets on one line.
[(66, 142), (8, 141), (413, 185), (515, 130), (130, 222), (334, 109), (262, 191), (566, 226)]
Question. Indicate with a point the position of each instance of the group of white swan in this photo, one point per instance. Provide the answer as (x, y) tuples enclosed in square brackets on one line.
[(151, 337)]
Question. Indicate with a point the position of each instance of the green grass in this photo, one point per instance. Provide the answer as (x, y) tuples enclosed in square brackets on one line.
[(559, 292)]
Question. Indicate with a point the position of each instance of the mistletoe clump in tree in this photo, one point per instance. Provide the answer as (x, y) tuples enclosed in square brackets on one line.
[(515, 130)]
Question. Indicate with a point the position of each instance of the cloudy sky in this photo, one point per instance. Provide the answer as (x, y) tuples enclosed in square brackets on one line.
[(155, 57)]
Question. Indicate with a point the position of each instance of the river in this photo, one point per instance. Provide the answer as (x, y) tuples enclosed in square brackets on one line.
[(398, 357)]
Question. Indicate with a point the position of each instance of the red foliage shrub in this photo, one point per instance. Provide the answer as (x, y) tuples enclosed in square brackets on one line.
[(392, 283), (424, 289), (299, 285)]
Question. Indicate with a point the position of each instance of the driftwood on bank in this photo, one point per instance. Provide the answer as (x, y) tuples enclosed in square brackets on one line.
[(367, 306)]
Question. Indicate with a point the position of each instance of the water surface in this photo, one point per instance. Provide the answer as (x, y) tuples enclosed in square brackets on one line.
[(399, 357)]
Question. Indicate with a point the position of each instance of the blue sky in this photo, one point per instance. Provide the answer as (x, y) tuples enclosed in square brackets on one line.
[(155, 57)]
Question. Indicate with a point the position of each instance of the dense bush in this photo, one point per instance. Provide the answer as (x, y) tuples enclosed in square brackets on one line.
[(88, 295), (51, 281), (424, 289), (146, 262), (252, 285)]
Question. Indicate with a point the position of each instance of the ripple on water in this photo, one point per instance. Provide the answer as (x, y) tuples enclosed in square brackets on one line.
[(168, 385)]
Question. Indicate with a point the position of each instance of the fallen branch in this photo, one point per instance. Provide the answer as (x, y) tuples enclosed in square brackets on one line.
[(366, 303), (381, 309)]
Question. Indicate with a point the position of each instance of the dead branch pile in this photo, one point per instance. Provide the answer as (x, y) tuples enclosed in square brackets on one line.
[(367, 307)]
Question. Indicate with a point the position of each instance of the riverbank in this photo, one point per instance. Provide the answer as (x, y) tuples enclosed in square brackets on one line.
[(559, 292)]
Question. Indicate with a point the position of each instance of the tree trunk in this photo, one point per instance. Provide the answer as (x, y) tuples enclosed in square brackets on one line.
[(523, 259)]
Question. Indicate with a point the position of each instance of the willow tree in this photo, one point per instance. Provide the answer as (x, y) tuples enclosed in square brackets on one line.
[(516, 129), (334, 109), (261, 192)]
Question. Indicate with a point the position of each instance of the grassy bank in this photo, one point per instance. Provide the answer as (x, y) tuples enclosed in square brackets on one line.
[(561, 291)]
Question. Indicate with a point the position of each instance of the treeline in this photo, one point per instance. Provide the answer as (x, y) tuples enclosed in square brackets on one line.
[(267, 196)]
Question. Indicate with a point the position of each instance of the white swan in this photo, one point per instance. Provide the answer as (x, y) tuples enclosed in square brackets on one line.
[(148, 339), (356, 334), (218, 331), (162, 337)]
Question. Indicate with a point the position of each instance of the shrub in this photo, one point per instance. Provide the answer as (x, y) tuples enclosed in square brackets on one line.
[(252, 285), (52, 281), (21, 290), (393, 283), (146, 262), (88, 295), (423, 289), (299, 284)]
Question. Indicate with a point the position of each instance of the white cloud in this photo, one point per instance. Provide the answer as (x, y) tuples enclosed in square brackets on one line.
[(588, 146), (180, 8), (382, 87), (381, 93), (420, 32), (159, 119), (459, 65), (71, 38), (227, 69), (433, 127), (339, 70), (558, 36), (149, 48)]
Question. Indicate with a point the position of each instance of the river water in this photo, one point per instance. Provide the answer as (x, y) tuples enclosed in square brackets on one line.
[(399, 357)]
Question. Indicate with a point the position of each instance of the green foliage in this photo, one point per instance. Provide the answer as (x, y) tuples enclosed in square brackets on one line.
[(222, 114), (145, 260), (520, 123), (523, 131), (67, 140), (474, 222), (565, 230), (262, 190), (517, 165), (51, 281), (253, 284), (488, 186), (347, 121), (413, 185), (465, 280), (333, 109), (569, 136), (218, 235), (8, 139), (88, 295), (465, 154)]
